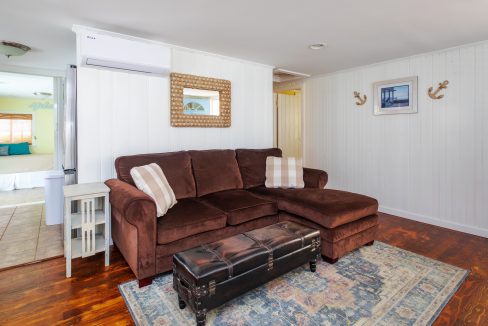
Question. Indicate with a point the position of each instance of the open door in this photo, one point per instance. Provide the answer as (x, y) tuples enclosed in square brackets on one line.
[(288, 117)]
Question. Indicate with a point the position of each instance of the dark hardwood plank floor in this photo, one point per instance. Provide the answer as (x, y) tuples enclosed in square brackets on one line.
[(39, 294), (469, 306)]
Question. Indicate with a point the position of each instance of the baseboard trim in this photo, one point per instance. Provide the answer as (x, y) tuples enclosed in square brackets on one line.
[(435, 221)]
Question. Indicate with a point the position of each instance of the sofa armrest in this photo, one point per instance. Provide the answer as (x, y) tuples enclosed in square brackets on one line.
[(123, 196), (139, 210), (314, 178)]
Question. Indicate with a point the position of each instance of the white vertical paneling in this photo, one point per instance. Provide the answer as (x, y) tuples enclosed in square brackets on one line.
[(481, 135), (88, 122), (431, 166), (121, 113)]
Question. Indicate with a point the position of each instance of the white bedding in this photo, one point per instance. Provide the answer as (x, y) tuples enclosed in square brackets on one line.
[(24, 171), (25, 163)]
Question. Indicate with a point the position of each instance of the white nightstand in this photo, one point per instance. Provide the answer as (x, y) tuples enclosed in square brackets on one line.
[(91, 222)]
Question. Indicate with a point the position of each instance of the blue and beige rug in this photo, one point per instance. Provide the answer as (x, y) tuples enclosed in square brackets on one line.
[(376, 285)]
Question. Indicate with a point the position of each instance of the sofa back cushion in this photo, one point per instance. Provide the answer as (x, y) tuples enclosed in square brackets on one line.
[(176, 167), (215, 170), (252, 164)]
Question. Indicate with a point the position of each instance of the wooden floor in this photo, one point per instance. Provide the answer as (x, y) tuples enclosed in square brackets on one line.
[(39, 294)]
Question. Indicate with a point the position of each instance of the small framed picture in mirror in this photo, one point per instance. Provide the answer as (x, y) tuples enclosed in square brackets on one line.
[(201, 102)]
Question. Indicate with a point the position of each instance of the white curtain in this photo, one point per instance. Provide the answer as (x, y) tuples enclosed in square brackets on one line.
[(289, 126)]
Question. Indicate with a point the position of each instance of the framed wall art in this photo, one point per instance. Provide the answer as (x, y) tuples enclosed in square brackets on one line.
[(395, 96)]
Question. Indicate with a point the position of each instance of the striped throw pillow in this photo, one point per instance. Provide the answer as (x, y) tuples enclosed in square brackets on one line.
[(151, 180), (286, 172)]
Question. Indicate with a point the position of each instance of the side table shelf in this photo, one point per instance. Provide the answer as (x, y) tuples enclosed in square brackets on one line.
[(86, 222), (76, 246)]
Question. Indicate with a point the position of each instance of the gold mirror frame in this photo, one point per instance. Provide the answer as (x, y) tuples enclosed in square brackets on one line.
[(179, 119)]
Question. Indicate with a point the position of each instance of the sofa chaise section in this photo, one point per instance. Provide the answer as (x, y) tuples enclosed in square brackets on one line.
[(346, 220)]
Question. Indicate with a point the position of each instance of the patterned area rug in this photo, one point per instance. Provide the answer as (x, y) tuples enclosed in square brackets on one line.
[(376, 285)]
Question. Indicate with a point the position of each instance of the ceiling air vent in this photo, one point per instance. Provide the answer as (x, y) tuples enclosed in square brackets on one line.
[(282, 75)]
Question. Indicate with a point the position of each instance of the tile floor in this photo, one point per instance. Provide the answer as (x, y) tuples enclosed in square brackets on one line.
[(25, 237)]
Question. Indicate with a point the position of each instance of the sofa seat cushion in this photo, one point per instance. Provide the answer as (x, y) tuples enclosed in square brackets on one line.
[(326, 207), (240, 205), (188, 217)]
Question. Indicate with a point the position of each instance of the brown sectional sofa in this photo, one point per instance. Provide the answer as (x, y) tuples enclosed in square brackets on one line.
[(221, 193)]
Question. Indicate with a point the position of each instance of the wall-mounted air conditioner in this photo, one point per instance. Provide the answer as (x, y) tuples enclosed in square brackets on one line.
[(116, 53)]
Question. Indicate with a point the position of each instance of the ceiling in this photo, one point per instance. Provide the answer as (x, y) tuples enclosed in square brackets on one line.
[(20, 85), (271, 32)]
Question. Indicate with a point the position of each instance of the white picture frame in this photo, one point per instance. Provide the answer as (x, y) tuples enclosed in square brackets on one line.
[(395, 96)]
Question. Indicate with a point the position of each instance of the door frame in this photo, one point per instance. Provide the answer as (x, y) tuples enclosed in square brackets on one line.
[(58, 76)]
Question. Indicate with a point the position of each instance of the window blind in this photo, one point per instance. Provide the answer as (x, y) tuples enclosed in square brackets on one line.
[(15, 128)]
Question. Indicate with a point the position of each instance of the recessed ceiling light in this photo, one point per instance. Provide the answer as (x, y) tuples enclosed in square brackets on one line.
[(13, 49), (317, 46), (44, 94)]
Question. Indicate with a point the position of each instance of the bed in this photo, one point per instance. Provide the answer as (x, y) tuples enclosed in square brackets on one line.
[(24, 171)]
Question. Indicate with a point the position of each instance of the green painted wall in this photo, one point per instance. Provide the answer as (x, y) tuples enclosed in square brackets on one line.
[(43, 120)]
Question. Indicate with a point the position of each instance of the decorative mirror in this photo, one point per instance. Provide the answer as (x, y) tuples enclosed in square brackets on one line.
[(199, 101)]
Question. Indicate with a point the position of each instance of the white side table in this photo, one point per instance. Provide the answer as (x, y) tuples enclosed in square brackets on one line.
[(92, 222)]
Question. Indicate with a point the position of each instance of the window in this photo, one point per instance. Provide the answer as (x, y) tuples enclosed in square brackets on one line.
[(15, 128)]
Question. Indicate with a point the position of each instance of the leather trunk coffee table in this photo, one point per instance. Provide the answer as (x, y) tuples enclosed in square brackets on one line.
[(207, 276)]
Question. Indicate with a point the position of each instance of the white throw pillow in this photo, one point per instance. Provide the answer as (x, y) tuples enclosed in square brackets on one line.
[(286, 172), (152, 181)]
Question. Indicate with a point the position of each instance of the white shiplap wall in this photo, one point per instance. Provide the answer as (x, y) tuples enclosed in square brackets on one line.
[(431, 166), (121, 113)]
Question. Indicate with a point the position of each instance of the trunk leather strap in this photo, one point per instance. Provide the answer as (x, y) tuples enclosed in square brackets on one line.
[(230, 267), (265, 246), (297, 235)]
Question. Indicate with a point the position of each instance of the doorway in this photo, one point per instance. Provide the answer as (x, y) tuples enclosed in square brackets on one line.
[(27, 136), (29, 152), (288, 122)]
